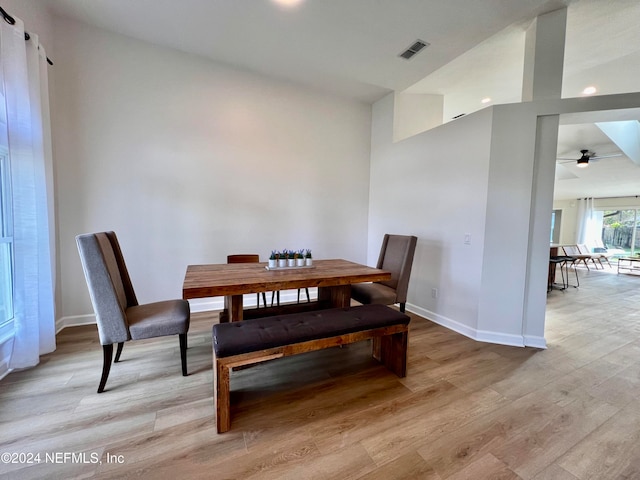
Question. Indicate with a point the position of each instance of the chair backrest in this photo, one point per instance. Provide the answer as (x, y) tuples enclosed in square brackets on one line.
[(243, 258), (571, 250), (396, 256), (583, 249), (109, 284)]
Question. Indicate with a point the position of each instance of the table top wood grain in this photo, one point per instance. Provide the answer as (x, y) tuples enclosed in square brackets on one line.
[(214, 280)]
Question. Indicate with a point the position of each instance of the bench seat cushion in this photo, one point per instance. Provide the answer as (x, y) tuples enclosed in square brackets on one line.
[(270, 332)]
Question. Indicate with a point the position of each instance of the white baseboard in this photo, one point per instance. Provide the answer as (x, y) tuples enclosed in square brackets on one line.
[(217, 303), (535, 342), (500, 338), (74, 321), (206, 304), (444, 321), (196, 305), (479, 335)]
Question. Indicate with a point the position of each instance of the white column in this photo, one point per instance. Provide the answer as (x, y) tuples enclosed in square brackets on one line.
[(543, 68), (544, 57)]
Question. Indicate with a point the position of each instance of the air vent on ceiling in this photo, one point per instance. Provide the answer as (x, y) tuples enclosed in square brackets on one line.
[(413, 49)]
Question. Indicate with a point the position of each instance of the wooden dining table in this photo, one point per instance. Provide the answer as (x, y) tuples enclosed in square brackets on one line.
[(333, 278)]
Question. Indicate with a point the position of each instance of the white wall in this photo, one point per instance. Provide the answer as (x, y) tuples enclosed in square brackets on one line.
[(464, 177), (415, 113), (568, 221), (434, 186), (188, 161)]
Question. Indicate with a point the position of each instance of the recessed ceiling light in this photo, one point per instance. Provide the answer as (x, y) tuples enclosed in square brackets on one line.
[(287, 3), (485, 100), (589, 90)]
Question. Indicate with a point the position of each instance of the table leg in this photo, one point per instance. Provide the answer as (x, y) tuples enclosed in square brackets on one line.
[(236, 308), (338, 296), (233, 311)]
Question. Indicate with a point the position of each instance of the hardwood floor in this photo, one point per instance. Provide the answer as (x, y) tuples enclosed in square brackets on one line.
[(466, 410)]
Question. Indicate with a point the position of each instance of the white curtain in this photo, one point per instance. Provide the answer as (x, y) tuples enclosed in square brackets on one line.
[(587, 231), (24, 81)]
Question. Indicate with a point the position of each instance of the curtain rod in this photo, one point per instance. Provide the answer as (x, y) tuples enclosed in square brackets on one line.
[(606, 198), (12, 21)]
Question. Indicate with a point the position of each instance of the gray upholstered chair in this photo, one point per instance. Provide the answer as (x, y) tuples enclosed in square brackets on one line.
[(396, 256), (119, 316)]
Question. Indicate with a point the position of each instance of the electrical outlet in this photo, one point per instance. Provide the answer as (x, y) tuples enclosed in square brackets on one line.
[(434, 293)]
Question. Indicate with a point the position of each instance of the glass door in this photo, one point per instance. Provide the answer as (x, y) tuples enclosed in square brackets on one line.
[(620, 230)]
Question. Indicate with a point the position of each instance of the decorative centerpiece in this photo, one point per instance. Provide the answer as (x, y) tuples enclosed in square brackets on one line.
[(286, 259)]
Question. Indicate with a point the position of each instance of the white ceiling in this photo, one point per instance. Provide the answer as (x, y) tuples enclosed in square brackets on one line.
[(350, 48)]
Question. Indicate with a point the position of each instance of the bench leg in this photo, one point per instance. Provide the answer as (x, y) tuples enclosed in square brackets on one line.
[(391, 351), (221, 396)]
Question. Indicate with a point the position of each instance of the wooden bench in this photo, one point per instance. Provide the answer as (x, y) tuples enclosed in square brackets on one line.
[(253, 341)]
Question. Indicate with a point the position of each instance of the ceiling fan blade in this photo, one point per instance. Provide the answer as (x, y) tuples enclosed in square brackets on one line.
[(591, 158), (597, 157)]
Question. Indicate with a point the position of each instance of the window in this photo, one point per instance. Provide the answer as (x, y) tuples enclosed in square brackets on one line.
[(6, 242), (621, 230)]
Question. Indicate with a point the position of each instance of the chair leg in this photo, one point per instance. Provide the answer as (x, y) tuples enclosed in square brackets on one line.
[(276, 295), (306, 291), (183, 352), (264, 300), (118, 352), (107, 354), (402, 305)]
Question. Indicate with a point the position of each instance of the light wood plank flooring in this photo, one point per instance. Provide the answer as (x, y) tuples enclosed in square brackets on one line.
[(466, 410)]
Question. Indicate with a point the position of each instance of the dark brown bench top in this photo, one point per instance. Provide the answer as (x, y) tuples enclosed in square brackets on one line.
[(270, 332)]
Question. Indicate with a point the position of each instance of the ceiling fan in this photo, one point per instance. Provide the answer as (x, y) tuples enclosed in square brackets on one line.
[(586, 157)]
